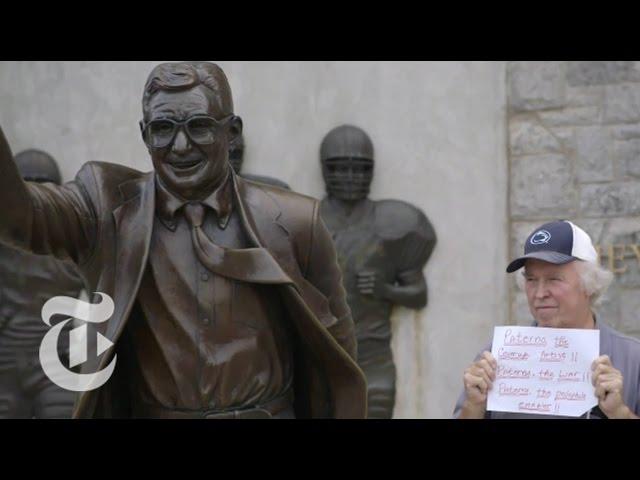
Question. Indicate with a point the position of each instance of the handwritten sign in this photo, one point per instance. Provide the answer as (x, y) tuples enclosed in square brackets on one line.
[(544, 370)]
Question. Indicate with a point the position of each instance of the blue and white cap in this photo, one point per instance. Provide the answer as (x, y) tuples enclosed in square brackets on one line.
[(557, 242)]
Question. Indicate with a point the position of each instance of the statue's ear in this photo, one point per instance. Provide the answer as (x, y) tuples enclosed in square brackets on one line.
[(235, 128)]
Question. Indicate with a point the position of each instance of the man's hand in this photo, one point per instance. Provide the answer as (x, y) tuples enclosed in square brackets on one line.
[(609, 387), (478, 380), (369, 283)]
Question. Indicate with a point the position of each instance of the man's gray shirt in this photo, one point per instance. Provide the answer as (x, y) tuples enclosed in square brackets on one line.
[(624, 353)]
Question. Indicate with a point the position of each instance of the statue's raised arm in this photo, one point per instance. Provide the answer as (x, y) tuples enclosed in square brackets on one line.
[(46, 219)]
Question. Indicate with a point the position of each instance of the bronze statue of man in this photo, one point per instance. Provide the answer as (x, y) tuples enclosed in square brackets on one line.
[(228, 300), (382, 247), (236, 158), (27, 281)]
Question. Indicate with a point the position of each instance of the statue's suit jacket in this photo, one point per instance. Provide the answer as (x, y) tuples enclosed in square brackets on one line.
[(103, 221)]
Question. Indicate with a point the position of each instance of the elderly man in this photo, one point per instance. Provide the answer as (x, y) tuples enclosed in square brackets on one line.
[(228, 297), (563, 281)]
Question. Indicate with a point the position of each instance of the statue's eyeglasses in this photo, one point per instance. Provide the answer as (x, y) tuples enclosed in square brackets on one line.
[(200, 129)]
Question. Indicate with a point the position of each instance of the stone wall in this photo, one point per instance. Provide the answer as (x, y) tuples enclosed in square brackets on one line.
[(574, 153)]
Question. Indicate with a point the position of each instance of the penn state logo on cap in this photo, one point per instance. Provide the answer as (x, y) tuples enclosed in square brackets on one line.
[(556, 242), (541, 236)]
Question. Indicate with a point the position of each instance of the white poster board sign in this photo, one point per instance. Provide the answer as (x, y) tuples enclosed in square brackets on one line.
[(543, 370)]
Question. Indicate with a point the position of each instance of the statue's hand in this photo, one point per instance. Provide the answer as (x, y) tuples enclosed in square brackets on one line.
[(370, 284)]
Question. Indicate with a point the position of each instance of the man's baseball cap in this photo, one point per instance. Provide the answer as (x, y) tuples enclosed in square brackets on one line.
[(556, 242)]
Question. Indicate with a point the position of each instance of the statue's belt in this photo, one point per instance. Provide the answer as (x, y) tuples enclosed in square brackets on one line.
[(263, 411)]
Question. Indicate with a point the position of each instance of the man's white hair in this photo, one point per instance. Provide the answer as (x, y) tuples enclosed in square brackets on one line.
[(594, 280)]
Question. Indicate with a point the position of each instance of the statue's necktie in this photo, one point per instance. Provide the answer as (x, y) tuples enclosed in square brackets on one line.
[(255, 265)]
